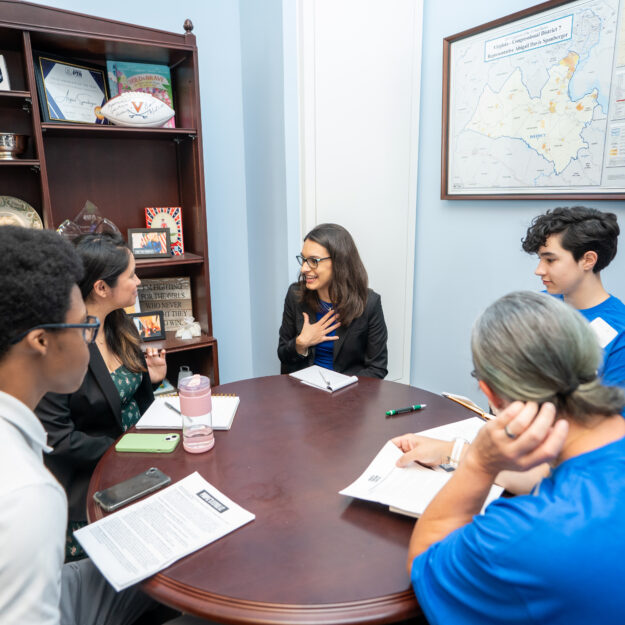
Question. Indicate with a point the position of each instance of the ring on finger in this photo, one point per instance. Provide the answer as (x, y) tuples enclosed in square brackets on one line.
[(509, 434)]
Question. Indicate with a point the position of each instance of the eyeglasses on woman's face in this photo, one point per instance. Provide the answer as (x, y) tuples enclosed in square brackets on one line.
[(311, 261), (89, 329)]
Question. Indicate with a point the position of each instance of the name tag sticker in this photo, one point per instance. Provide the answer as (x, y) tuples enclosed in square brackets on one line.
[(604, 331)]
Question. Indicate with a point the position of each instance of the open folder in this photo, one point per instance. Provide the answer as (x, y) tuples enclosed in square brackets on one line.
[(409, 490), (160, 416), (324, 379)]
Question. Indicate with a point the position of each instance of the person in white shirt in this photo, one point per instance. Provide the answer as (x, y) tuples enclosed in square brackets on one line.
[(44, 332)]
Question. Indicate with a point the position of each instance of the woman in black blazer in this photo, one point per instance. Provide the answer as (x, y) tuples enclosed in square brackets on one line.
[(117, 388), (330, 317)]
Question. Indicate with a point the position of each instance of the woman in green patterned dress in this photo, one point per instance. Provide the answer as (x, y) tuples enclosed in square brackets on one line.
[(119, 383)]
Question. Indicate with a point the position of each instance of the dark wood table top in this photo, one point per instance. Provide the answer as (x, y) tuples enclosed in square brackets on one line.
[(311, 555)]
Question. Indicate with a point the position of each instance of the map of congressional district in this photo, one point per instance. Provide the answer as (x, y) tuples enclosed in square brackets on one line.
[(529, 102), (550, 124)]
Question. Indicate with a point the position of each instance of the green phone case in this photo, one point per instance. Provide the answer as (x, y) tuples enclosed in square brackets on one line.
[(152, 443)]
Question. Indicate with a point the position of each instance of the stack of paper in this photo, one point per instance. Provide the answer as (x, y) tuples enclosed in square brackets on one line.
[(148, 536), (409, 490), (325, 379), (162, 417)]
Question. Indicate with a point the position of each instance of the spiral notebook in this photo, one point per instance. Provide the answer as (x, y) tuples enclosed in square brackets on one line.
[(323, 379), (159, 416)]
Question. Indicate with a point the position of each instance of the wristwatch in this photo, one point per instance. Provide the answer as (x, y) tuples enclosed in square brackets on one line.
[(456, 453)]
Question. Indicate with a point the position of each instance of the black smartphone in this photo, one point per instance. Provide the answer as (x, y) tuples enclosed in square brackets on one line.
[(119, 495)]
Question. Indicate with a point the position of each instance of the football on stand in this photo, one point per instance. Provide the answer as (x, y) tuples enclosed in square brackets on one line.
[(137, 109)]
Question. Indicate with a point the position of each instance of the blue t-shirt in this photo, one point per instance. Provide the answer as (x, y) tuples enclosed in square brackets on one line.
[(324, 352), (556, 556), (608, 321)]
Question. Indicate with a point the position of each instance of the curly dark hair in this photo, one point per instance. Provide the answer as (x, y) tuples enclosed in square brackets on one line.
[(39, 269), (348, 288), (583, 229)]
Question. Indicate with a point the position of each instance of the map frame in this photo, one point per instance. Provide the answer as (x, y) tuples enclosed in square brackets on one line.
[(602, 193)]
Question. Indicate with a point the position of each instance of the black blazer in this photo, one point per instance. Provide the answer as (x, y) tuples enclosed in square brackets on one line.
[(360, 349), (81, 426)]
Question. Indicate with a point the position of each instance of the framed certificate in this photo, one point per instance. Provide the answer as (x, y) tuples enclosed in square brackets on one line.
[(70, 92)]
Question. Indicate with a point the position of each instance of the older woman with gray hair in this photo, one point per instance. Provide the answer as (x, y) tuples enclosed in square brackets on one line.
[(556, 555)]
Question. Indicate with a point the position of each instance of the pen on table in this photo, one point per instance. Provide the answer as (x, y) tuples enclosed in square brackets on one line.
[(326, 382), (172, 407), (392, 413), (476, 409)]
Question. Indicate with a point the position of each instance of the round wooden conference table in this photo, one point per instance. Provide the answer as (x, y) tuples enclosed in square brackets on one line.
[(311, 555)]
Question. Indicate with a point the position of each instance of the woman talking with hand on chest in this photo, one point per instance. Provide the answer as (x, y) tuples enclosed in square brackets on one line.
[(331, 318), (118, 385)]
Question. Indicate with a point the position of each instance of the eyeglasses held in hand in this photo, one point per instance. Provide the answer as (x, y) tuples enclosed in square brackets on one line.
[(89, 329), (310, 261)]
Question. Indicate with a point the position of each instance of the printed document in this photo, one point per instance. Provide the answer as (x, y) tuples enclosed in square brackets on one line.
[(146, 537), (409, 490)]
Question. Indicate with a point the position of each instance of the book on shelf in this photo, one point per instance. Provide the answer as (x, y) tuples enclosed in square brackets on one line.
[(324, 379), (171, 295), (149, 78), (161, 416), (409, 490)]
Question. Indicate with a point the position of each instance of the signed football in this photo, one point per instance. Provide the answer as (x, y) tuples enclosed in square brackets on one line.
[(138, 109)]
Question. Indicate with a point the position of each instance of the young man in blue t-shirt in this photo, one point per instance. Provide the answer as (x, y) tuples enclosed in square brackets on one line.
[(574, 245)]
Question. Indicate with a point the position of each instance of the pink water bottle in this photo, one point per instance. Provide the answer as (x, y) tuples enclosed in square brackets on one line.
[(196, 408)]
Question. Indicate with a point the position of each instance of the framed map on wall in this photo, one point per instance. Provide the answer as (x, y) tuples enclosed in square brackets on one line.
[(534, 105)]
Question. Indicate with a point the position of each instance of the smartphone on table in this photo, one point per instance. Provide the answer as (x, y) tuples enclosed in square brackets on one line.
[(151, 443), (129, 490)]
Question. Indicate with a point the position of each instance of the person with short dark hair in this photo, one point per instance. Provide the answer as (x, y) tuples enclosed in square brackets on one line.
[(556, 555), (117, 388), (573, 246), (44, 337), (331, 318)]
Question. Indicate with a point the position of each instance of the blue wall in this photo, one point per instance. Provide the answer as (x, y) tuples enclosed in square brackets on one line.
[(467, 253)]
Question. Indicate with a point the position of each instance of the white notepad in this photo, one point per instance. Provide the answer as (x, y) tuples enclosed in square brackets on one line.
[(159, 417), (324, 379)]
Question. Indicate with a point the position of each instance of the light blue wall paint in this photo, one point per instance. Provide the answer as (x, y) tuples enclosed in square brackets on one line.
[(217, 28), (467, 252), (291, 137), (263, 114)]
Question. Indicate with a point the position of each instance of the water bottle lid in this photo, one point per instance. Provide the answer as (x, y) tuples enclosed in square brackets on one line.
[(194, 385)]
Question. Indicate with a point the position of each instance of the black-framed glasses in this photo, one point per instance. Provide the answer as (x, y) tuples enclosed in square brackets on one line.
[(311, 261), (89, 329)]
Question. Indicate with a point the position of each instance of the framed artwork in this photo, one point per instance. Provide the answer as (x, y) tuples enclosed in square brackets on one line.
[(70, 92), (150, 325), (149, 242), (167, 217), (534, 105)]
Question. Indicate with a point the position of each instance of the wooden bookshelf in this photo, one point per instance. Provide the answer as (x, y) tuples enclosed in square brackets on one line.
[(120, 170)]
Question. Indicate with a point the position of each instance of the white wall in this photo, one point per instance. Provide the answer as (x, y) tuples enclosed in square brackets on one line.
[(359, 83)]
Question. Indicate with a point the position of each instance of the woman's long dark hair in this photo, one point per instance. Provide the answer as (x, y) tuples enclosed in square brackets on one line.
[(106, 257), (348, 288)]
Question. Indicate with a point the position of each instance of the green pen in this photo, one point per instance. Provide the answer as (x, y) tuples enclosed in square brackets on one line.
[(392, 413)]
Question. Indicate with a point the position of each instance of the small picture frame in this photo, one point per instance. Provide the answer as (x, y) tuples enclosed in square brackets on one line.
[(150, 325), (70, 92), (167, 217), (149, 242), (5, 85)]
